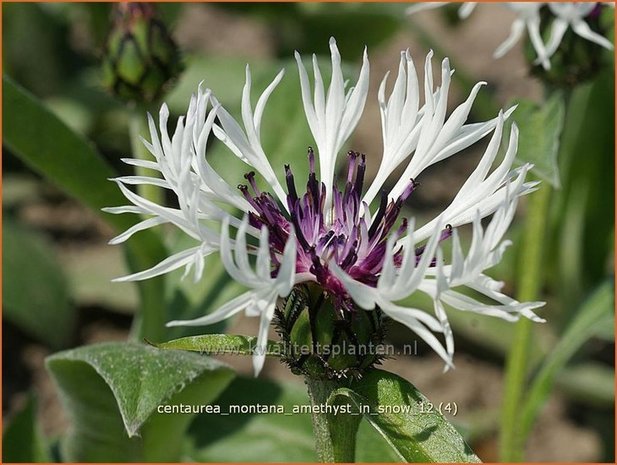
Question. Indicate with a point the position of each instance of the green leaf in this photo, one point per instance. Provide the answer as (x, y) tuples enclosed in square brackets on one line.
[(371, 446), (48, 146), (540, 128), (268, 437), (589, 383), (401, 414), (22, 440), (255, 437), (584, 228), (596, 313), (216, 344), (113, 392), (36, 296), (38, 44), (224, 75), (335, 432)]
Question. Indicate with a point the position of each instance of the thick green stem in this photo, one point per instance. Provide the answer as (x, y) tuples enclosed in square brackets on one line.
[(335, 434), (512, 441)]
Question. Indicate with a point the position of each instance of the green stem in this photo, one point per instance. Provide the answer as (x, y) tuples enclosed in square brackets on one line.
[(512, 441), (335, 435), (150, 322)]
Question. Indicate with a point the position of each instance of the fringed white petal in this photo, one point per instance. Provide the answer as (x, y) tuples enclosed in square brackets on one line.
[(482, 191), (332, 117), (246, 144), (265, 291), (409, 317), (466, 9), (423, 6), (141, 226), (573, 15), (423, 134), (582, 29), (169, 264), (229, 309), (558, 30)]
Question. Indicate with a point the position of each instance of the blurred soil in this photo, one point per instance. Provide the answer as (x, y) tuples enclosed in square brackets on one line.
[(80, 239)]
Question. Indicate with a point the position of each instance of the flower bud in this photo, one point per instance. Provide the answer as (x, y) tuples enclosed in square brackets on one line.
[(140, 57), (323, 342)]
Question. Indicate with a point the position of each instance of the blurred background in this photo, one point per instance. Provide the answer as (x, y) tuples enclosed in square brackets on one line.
[(57, 266)]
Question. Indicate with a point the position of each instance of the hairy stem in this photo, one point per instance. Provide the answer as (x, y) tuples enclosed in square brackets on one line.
[(512, 441), (335, 434)]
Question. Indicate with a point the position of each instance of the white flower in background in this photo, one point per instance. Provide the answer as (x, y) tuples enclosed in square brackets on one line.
[(528, 19), (573, 15), (357, 255)]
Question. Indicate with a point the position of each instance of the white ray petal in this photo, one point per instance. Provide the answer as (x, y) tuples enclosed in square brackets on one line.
[(229, 309), (583, 30), (141, 226), (169, 264)]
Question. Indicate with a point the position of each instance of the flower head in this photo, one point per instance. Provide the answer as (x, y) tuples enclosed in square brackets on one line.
[(140, 57), (563, 14), (328, 235)]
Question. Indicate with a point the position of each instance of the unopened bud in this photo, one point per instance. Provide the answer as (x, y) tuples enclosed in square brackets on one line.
[(140, 57), (321, 343)]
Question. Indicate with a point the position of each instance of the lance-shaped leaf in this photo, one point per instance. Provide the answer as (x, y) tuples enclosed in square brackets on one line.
[(116, 394), (38, 137), (216, 344), (596, 314), (398, 411), (36, 295), (540, 129)]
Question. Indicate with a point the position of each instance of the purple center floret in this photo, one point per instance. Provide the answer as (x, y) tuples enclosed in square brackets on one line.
[(342, 235)]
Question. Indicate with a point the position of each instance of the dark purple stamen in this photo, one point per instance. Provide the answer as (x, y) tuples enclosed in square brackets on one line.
[(360, 174), (445, 234), (342, 235), (250, 177), (292, 196), (351, 169), (383, 205), (311, 157)]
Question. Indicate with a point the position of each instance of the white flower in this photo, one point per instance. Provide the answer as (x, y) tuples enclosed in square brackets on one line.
[(573, 15), (327, 236), (528, 19)]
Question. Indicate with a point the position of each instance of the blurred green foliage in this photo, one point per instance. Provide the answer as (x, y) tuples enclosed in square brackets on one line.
[(64, 127)]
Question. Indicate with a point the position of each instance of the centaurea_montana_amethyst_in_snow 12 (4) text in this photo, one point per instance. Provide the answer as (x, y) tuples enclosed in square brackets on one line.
[(326, 264)]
